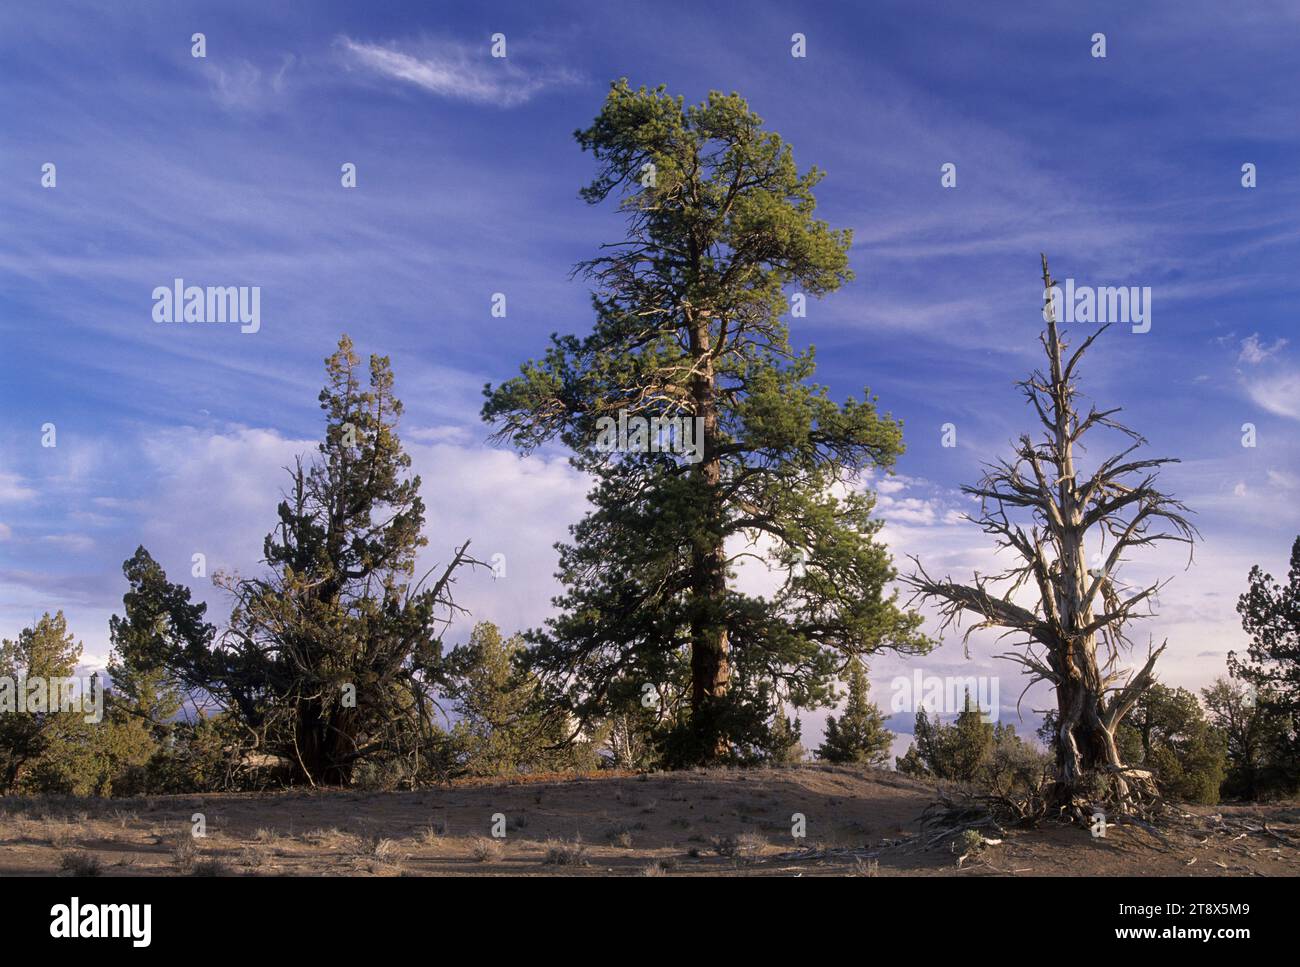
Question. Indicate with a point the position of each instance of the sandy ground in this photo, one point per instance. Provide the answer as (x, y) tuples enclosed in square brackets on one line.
[(708, 822)]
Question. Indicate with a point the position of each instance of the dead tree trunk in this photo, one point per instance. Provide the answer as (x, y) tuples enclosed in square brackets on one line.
[(1046, 509)]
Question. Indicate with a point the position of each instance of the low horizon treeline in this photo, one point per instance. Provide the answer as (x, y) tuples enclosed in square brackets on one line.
[(1224, 745), (330, 670)]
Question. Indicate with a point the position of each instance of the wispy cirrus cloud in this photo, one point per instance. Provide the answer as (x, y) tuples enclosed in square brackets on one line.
[(1254, 352), (1279, 393), (456, 70)]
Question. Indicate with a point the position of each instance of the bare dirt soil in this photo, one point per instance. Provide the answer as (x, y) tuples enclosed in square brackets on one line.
[(708, 822)]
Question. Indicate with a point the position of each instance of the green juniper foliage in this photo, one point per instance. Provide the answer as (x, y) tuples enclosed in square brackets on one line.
[(333, 657), (1167, 732), (785, 742), (1270, 614), (720, 225), (501, 731), (1253, 735), (969, 750), (859, 735), (47, 650)]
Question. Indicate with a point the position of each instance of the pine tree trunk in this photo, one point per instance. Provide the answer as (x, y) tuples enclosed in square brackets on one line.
[(710, 659), (710, 664)]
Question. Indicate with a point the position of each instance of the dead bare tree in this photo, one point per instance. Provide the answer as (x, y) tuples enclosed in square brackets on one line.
[(1042, 507)]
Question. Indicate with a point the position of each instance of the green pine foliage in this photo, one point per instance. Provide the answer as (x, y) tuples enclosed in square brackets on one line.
[(34, 745), (502, 730), (859, 735), (720, 228)]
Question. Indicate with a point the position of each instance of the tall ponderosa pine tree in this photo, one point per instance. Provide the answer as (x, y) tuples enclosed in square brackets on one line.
[(1049, 511), (859, 735), (688, 306)]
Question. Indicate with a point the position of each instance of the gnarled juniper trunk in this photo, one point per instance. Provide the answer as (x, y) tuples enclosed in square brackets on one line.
[(323, 744), (1085, 746)]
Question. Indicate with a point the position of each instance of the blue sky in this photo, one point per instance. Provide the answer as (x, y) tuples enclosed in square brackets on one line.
[(225, 170)]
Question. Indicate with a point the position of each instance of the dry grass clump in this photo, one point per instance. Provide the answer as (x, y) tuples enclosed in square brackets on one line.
[(185, 855), (486, 849), (561, 852), (80, 864)]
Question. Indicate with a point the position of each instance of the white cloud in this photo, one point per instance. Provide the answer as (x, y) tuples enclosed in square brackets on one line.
[(456, 71), (1278, 394), (239, 85), (5, 532), (78, 543), (1283, 480), (12, 488), (1253, 352), (218, 491)]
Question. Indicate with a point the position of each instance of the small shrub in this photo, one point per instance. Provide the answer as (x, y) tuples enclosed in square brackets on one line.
[(125, 817), (971, 841), (622, 835), (744, 845), (210, 867), (431, 834), (863, 867), (485, 848), (563, 853), (80, 864), (59, 835), (185, 855)]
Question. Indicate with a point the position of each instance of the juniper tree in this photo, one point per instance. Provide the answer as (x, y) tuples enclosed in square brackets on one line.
[(958, 752), (688, 305), (1167, 732), (859, 735), (785, 739), (500, 730), (46, 651), (1048, 510), (1252, 735), (966, 745), (334, 656), (158, 616), (1270, 615)]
